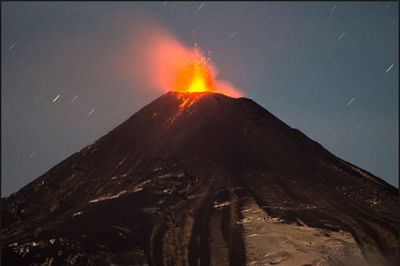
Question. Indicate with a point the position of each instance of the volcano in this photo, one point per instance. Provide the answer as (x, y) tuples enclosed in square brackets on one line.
[(202, 179)]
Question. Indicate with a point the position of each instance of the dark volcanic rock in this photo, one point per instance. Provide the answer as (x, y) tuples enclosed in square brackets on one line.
[(202, 179)]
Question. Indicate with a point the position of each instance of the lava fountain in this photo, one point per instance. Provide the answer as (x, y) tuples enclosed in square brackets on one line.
[(195, 76), (158, 60)]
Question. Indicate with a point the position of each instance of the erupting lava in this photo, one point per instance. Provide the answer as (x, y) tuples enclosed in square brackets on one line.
[(157, 60), (195, 76)]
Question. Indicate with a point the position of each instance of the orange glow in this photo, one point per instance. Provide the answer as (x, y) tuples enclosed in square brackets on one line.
[(188, 100), (158, 61), (194, 77)]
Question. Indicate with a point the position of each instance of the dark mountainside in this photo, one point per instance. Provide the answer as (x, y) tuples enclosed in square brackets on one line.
[(200, 179)]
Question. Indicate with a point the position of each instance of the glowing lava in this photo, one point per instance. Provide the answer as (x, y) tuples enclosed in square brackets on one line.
[(195, 76), (155, 59), (188, 99)]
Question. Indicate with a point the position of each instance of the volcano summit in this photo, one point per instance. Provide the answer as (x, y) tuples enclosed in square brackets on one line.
[(200, 179)]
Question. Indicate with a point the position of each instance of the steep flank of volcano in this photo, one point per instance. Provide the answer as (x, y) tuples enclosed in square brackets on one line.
[(202, 178)]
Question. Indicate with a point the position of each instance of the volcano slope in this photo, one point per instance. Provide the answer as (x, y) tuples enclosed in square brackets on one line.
[(202, 179)]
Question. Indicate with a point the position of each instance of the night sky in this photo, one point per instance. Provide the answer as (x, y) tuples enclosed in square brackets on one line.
[(329, 69)]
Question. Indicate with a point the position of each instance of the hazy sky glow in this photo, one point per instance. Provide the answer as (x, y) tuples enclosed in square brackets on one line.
[(329, 69)]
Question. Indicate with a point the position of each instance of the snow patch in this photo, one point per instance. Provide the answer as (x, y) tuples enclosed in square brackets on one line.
[(108, 197)]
